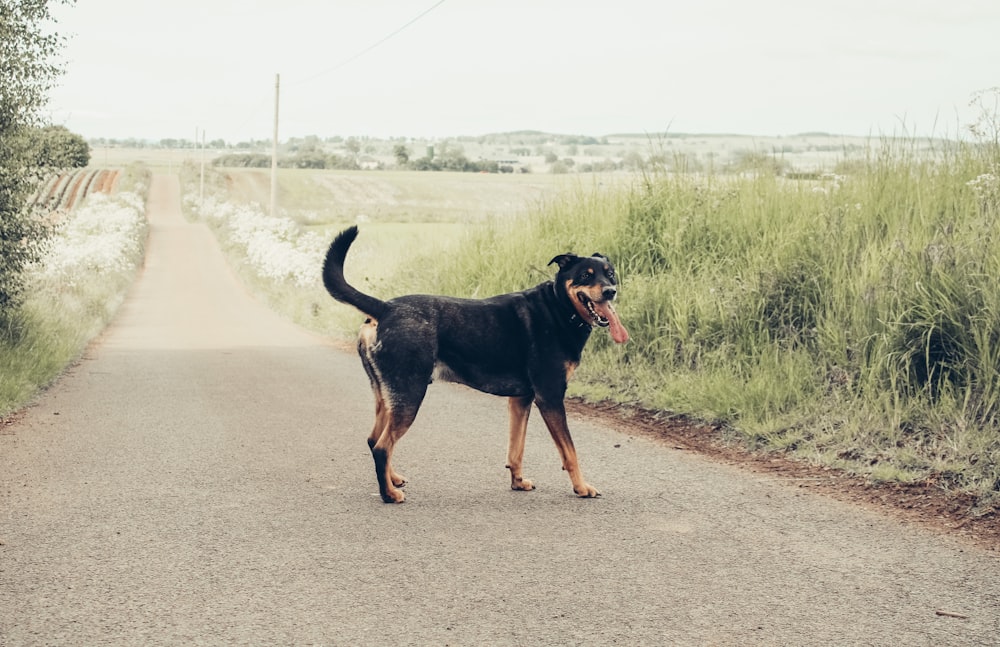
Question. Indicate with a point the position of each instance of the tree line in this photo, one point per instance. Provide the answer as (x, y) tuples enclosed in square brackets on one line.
[(316, 159)]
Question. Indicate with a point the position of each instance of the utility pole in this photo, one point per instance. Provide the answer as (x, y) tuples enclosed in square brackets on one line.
[(201, 184), (274, 151)]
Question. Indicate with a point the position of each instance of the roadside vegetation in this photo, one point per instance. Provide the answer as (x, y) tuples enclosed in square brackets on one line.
[(27, 46), (280, 257), (74, 287), (853, 320), (62, 271), (850, 319)]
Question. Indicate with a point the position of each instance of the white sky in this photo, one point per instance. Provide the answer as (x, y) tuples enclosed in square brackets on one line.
[(158, 70)]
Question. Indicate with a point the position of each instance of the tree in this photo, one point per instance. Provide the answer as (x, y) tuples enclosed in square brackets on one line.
[(57, 147), (26, 76), (748, 161), (401, 154)]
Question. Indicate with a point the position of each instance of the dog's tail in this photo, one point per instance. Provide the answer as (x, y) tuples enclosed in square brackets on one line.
[(336, 285)]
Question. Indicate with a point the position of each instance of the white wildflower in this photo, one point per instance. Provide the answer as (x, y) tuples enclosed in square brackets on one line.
[(986, 186), (987, 189), (276, 248), (103, 235)]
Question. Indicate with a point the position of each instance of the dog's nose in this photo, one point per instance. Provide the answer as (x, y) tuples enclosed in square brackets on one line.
[(610, 292)]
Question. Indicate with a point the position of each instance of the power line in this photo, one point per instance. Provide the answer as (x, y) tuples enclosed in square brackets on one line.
[(351, 59)]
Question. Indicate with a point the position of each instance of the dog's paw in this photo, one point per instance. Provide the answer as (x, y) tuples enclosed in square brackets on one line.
[(398, 480), (392, 495), (585, 491), (522, 485)]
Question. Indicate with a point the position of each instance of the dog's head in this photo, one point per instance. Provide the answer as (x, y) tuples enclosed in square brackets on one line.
[(591, 285)]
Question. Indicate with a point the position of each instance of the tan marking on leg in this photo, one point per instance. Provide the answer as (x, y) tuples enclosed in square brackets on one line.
[(382, 416), (570, 369), (368, 344), (388, 487), (519, 410), (555, 420)]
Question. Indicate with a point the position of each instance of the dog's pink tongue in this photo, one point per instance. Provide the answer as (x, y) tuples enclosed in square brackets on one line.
[(615, 327)]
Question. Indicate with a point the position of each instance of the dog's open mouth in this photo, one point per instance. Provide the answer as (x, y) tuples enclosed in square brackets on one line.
[(588, 303), (603, 314)]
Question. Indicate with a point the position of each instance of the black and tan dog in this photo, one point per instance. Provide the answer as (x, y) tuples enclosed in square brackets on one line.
[(523, 345)]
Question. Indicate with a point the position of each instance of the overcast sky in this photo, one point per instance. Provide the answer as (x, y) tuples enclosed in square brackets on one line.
[(159, 70)]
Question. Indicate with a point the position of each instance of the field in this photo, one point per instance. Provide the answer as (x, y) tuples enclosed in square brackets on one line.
[(396, 196)]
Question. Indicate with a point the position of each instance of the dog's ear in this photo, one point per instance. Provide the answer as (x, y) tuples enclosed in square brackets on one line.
[(599, 255), (564, 260)]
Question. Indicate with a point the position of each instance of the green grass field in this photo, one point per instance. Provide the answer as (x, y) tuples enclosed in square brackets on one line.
[(310, 196)]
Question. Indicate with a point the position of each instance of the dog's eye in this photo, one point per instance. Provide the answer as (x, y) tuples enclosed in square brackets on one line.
[(585, 278), (611, 274)]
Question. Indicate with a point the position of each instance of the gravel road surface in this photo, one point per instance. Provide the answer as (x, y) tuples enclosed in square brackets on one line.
[(201, 477)]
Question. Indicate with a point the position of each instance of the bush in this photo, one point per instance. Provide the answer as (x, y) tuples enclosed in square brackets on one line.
[(454, 162), (55, 147), (243, 160)]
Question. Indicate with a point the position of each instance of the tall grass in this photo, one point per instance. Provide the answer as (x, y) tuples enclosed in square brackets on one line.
[(852, 320)]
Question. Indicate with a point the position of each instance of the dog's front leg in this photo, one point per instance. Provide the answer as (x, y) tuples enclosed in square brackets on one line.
[(519, 409), (555, 419)]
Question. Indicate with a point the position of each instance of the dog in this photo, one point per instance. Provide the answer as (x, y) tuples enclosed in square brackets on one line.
[(523, 346)]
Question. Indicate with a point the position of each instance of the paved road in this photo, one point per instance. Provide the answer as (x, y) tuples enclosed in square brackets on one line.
[(202, 478)]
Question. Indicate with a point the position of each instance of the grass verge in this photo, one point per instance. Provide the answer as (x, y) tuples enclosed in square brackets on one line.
[(75, 291), (852, 321)]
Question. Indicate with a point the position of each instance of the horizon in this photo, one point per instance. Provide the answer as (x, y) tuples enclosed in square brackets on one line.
[(536, 133)]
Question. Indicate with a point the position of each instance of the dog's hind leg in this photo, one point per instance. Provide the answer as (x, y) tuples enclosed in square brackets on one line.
[(368, 345), (398, 421), (381, 421), (519, 409), (555, 419), (401, 399)]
